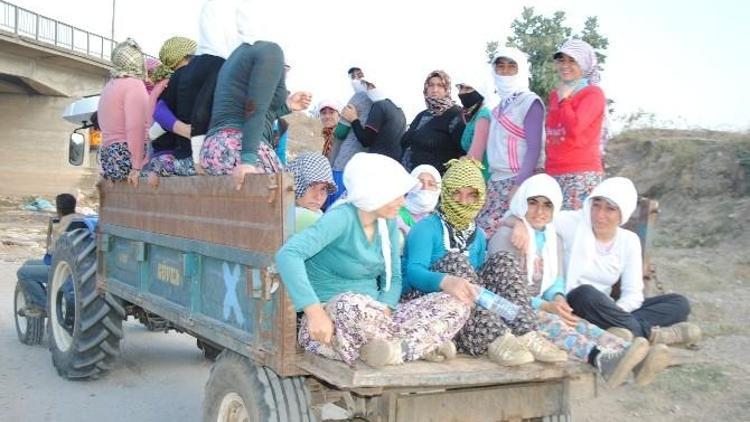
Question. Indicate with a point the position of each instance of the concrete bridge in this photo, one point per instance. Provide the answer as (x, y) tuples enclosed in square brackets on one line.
[(44, 66)]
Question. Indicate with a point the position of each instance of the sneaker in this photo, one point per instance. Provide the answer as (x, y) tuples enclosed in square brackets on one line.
[(445, 351), (508, 351), (615, 367), (657, 360), (379, 353), (680, 333), (623, 333), (541, 348)]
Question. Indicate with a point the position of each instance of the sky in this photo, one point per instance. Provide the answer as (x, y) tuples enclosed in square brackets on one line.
[(686, 61)]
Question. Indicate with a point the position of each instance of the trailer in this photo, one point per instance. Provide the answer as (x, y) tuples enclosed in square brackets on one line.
[(199, 254)]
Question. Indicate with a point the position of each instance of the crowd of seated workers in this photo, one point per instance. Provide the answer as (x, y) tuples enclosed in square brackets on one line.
[(400, 227)]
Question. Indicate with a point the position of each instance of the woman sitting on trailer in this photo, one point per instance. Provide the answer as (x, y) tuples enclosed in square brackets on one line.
[(313, 182), (344, 273), (534, 205)]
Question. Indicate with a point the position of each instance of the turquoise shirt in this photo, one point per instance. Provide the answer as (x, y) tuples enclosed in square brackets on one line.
[(468, 136), (333, 256), (424, 247), (557, 287)]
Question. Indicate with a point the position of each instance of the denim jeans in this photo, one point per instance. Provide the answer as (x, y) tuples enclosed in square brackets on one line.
[(32, 276)]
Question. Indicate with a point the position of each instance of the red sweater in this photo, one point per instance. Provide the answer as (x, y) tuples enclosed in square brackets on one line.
[(574, 129)]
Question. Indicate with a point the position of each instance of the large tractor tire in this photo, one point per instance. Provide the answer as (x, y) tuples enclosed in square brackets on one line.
[(239, 391), (30, 329), (84, 327)]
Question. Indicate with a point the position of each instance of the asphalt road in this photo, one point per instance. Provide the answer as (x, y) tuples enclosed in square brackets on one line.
[(159, 377)]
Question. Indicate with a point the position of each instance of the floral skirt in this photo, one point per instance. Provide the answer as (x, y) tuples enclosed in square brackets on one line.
[(495, 206), (576, 187), (499, 274), (115, 161), (422, 325), (162, 163), (579, 340), (184, 167), (221, 151)]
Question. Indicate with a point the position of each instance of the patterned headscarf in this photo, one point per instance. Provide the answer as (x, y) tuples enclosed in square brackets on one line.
[(171, 54), (309, 168), (584, 55), (462, 173), (151, 64), (127, 60), (438, 106)]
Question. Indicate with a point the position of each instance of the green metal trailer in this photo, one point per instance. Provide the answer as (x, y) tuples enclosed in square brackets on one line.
[(199, 254)]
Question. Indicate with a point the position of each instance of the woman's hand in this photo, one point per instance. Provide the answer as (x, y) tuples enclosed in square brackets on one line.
[(182, 129), (460, 288), (239, 172), (520, 237), (133, 177), (349, 113), (561, 308), (153, 180), (564, 91), (299, 101), (318, 324)]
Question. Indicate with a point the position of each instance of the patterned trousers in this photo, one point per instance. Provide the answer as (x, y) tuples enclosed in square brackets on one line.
[(221, 151), (578, 341), (576, 187), (421, 325), (499, 274), (495, 206)]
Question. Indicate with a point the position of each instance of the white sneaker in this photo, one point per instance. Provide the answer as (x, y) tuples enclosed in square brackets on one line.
[(680, 333), (615, 367), (623, 333), (541, 348), (656, 361), (442, 353), (379, 353), (508, 351)]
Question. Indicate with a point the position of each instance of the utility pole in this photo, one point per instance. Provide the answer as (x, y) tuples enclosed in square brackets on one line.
[(113, 20)]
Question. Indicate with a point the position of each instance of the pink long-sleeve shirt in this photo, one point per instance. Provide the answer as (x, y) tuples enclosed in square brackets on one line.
[(123, 116)]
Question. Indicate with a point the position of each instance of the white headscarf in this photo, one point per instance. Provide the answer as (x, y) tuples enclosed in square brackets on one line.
[(374, 94), (421, 201), (509, 85), (539, 185), (215, 37), (619, 190), (585, 56), (372, 181)]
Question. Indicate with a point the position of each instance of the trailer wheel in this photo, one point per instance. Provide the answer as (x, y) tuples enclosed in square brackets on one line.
[(238, 390), (84, 327), (30, 329)]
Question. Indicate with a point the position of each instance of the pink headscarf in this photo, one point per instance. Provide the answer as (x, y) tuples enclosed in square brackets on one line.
[(151, 64)]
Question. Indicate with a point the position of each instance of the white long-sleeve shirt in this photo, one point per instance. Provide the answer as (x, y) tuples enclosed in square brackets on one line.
[(622, 261)]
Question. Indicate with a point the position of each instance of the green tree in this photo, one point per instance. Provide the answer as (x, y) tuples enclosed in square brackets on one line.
[(539, 36)]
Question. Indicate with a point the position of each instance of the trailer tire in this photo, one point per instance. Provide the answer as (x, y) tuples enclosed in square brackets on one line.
[(30, 330), (84, 327), (239, 390)]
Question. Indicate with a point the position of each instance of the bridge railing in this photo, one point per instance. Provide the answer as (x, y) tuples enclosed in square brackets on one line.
[(28, 24)]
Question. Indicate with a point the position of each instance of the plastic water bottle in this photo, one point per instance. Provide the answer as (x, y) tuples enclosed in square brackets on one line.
[(497, 304)]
